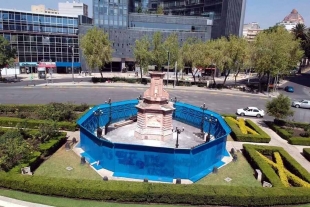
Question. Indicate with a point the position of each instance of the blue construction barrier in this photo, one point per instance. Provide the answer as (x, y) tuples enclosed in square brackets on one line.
[(154, 163)]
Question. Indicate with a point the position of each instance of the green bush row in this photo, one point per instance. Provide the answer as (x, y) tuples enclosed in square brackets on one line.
[(268, 173), (305, 141), (12, 108), (237, 135), (34, 124), (306, 153), (287, 135), (229, 115), (135, 192), (45, 150)]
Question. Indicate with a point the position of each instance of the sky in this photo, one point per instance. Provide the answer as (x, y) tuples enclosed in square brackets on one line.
[(266, 12)]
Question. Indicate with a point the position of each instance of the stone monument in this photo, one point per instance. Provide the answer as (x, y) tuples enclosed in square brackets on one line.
[(154, 119)]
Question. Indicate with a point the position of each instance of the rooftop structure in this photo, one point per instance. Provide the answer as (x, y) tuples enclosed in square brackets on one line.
[(41, 9), (251, 30), (291, 20), (73, 8)]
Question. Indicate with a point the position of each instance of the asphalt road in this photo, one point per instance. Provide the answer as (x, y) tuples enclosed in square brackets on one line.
[(216, 101)]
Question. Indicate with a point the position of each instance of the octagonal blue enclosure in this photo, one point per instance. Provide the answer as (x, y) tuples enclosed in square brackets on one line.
[(152, 162)]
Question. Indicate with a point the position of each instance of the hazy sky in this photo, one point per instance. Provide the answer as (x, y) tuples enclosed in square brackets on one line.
[(266, 12)]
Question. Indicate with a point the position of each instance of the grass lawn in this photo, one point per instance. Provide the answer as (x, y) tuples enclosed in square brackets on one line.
[(56, 165), (66, 202), (240, 172)]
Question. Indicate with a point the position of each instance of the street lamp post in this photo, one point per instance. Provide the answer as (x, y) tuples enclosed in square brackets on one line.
[(110, 116), (178, 131), (211, 120), (203, 107), (15, 71), (98, 113), (168, 67), (72, 70)]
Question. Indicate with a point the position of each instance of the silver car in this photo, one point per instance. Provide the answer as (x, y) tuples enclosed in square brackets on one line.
[(301, 104)]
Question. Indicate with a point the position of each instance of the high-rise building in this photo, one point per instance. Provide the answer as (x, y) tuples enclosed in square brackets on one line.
[(73, 8), (129, 20), (41, 37), (291, 20)]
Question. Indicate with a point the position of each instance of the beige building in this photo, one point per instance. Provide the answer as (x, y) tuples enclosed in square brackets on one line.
[(42, 9), (251, 30)]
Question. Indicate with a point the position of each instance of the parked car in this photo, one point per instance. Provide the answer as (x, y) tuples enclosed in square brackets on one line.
[(289, 89), (301, 104), (251, 111)]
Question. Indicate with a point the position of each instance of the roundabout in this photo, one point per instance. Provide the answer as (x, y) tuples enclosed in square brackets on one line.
[(140, 140)]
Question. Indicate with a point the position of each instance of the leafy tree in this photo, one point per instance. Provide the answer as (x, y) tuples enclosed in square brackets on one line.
[(160, 10), (303, 34), (13, 149), (7, 54), (191, 55), (238, 56), (142, 54), (96, 48), (171, 44), (159, 52), (279, 107), (274, 53)]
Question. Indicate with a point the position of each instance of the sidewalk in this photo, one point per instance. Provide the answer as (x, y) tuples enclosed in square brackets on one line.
[(10, 202)]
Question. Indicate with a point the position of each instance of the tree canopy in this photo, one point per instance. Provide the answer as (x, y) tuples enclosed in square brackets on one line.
[(7, 53), (96, 48), (142, 54), (280, 107)]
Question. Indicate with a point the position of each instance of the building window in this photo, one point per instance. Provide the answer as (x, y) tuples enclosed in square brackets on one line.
[(29, 18), (5, 15)]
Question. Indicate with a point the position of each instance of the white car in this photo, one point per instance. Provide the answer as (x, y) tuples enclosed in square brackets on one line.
[(251, 111)]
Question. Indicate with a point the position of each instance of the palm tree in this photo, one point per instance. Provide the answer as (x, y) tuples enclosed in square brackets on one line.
[(303, 34)]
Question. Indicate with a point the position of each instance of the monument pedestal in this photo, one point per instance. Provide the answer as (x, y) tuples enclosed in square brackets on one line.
[(154, 119)]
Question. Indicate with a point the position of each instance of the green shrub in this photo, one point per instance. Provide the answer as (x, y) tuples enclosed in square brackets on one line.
[(306, 153), (53, 145), (35, 124), (229, 115), (12, 108), (282, 132), (237, 135), (299, 141), (139, 192)]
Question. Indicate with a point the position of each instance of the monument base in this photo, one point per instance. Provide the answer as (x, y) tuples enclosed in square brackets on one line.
[(153, 134)]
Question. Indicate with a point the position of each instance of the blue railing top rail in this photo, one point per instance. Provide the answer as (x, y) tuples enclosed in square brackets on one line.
[(91, 111)]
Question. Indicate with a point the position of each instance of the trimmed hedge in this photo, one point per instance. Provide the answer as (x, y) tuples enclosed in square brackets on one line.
[(306, 153), (46, 149), (269, 174), (237, 135), (12, 108), (229, 115), (299, 141), (34, 124), (121, 191), (287, 135)]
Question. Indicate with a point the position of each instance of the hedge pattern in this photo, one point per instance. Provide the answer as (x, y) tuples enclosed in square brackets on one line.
[(260, 137), (291, 165), (306, 153), (45, 149), (121, 191), (287, 135), (12, 108), (35, 124)]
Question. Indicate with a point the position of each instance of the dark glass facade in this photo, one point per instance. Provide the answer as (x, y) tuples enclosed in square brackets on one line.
[(42, 37)]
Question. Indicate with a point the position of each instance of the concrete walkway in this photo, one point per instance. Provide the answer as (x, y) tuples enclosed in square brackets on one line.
[(10, 202)]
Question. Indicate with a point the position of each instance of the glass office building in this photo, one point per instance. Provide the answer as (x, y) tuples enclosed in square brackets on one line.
[(41, 37)]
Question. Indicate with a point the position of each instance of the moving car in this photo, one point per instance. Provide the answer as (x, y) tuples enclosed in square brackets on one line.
[(301, 104), (251, 111), (289, 89)]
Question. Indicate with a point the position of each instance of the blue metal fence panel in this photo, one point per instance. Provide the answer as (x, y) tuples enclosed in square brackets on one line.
[(182, 163)]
